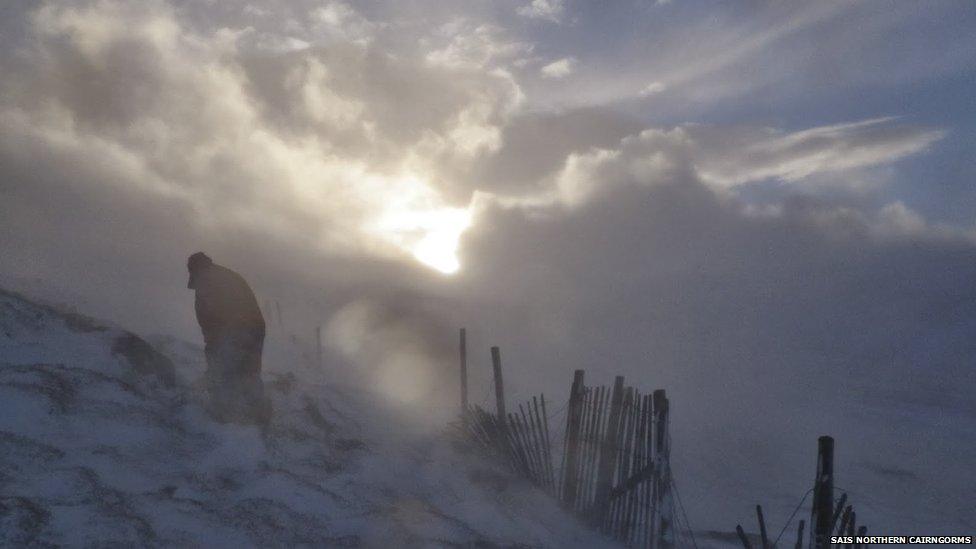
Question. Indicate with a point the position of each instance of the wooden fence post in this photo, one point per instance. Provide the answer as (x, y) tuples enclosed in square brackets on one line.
[(464, 370), (571, 454), (762, 527), (823, 493), (496, 362), (742, 536)]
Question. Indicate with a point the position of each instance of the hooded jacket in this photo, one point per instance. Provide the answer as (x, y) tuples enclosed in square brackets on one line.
[(224, 303)]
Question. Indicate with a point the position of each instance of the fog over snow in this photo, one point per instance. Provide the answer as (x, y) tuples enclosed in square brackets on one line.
[(767, 210)]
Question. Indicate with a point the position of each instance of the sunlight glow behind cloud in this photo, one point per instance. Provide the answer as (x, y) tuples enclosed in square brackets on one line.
[(758, 192), (317, 146), (416, 220)]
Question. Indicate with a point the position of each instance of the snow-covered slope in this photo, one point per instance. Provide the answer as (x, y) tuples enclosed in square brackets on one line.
[(103, 442)]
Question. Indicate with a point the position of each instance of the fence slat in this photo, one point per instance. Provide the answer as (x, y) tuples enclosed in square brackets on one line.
[(633, 468), (528, 434), (544, 433), (837, 510), (623, 453), (608, 452), (573, 415), (578, 474), (646, 486), (596, 435), (663, 472), (614, 471)]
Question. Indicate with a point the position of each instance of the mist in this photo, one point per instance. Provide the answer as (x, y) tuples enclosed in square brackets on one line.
[(391, 173)]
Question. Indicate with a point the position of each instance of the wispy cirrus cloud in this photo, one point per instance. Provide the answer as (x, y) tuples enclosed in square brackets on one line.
[(726, 158), (732, 159)]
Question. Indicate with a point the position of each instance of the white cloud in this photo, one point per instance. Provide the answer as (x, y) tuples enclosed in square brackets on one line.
[(652, 88), (669, 278), (551, 10), (464, 44), (726, 158), (559, 69), (730, 159), (339, 21), (306, 144), (322, 165)]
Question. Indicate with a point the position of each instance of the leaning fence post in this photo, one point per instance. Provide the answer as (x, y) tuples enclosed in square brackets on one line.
[(464, 370), (823, 493), (571, 454), (742, 536), (496, 362), (762, 527)]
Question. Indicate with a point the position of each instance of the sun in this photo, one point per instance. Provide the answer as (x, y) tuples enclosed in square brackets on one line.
[(418, 222), (438, 248), (431, 236)]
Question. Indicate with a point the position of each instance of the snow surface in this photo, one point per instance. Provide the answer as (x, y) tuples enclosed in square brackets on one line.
[(95, 453)]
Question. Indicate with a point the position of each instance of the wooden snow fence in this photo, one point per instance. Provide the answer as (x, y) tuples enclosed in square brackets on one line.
[(520, 441), (828, 518), (614, 470)]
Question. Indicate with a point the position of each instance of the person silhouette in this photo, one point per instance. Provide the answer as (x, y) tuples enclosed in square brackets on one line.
[(233, 333)]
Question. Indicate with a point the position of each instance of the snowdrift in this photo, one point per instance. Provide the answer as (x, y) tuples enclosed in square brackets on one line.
[(103, 441)]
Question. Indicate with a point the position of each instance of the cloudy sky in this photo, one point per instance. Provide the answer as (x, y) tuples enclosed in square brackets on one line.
[(741, 203)]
